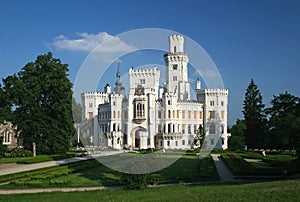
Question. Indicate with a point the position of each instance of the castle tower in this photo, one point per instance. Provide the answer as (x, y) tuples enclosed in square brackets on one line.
[(176, 68), (119, 88)]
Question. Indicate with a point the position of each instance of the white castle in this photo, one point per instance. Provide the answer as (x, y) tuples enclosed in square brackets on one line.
[(153, 117)]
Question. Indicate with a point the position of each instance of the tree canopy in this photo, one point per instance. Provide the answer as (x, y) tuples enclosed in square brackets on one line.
[(41, 96), (237, 139), (284, 121)]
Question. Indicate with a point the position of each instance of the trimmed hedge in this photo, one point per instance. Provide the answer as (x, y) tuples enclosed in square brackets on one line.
[(238, 166)]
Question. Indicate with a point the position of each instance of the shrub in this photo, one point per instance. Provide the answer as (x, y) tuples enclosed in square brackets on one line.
[(20, 152), (132, 181)]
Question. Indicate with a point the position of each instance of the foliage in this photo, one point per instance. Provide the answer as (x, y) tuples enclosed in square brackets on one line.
[(5, 106), (77, 111), (284, 122), (3, 148), (199, 138), (254, 117), (237, 139), (19, 152), (133, 181), (42, 97)]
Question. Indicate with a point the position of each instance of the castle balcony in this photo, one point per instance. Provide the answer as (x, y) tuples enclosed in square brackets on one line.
[(170, 136), (139, 120)]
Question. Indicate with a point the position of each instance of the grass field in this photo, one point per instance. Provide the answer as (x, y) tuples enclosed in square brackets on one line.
[(37, 159), (189, 168), (286, 190)]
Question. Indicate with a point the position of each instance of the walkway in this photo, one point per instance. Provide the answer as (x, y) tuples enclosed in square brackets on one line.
[(15, 168), (223, 171)]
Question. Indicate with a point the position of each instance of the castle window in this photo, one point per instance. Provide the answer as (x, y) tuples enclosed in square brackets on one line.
[(158, 128), (212, 103), (159, 114), (175, 49), (174, 78), (169, 102), (169, 114), (212, 129), (114, 114), (173, 114), (114, 103), (211, 114), (140, 110), (222, 103), (189, 114), (90, 114), (183, 114), (201, 115), (178, 114), (183, 129), (176, 143), (168, 143), (189, 129), (212, 142), (175, 66), (183, 142), (90, 105), (142, 81), (222, 114), (195, 115)]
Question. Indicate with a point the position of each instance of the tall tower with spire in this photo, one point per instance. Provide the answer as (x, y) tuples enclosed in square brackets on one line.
[(119, 88), (176, 68)]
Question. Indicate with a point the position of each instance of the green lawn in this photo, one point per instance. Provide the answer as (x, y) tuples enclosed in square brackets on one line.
[(37, 159), (286, 190), (188, 168)]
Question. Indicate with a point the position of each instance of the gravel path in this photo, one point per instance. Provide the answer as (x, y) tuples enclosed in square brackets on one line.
[(224, 173)]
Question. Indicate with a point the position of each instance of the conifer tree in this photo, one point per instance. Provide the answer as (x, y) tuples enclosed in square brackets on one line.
[(254, 117)]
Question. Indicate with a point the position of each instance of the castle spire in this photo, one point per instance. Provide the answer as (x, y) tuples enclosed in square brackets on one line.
[(118, 72)]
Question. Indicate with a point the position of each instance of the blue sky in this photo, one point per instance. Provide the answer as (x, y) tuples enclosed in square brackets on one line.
[(257, 39)]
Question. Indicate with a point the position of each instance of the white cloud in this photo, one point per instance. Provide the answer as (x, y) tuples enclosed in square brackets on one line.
[(87, 42)]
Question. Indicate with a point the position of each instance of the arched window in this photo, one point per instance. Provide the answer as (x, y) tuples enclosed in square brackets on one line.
[(175, 49)]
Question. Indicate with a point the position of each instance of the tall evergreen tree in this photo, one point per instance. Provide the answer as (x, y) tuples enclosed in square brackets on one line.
[(43, 104), (254, 117)]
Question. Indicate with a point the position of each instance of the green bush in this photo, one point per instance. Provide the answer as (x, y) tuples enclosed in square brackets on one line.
[(132, 181), (20, 152)]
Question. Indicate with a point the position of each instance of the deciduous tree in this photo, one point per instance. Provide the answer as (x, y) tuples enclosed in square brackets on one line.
[(284, 121), (42, 98), (237, 139)]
